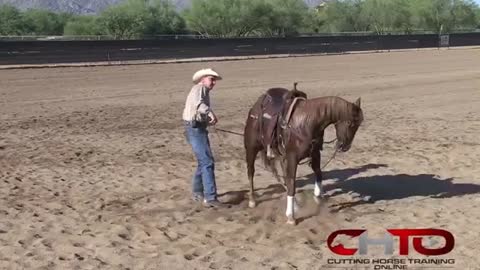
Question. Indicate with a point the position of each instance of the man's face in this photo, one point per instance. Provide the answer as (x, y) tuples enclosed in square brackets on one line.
[(209, 81)]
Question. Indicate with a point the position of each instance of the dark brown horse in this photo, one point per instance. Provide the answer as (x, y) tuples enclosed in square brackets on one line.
[(300, 137)]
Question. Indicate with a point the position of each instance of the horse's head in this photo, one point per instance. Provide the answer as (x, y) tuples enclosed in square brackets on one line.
[(348, 126)]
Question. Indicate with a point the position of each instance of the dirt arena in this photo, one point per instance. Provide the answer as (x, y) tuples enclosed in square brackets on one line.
[(95, 171)]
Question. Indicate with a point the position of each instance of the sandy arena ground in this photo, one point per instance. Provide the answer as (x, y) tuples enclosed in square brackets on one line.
[(95, 170)]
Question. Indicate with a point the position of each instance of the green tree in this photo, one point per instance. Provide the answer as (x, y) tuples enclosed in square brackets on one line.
[(138, 18), (477, 16), (43, 22), (83, 26), (346, 16), (443, 16), (234, 18), (225, 18), (11, 22), (124, 21), (316, 20), (383, 16), (463, 14), (162, 18), (287, 17)]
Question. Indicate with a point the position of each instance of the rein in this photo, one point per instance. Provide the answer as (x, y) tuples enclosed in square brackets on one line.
[(228, 131), (325, 165), (241, 134)]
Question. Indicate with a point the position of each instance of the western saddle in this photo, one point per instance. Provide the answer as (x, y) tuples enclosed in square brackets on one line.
[(277, 107)]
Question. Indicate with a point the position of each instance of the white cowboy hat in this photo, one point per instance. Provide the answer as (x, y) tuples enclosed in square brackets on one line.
[(205, 72)]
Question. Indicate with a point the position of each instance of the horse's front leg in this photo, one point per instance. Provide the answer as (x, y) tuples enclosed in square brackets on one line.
[(252, 147), (315, 165), (290, 183)]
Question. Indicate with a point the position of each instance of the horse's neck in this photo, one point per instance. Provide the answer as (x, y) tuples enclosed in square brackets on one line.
[(341, 110), (330, 111)]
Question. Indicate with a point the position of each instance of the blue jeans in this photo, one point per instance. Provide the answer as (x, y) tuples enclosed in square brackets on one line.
[(203, 182)]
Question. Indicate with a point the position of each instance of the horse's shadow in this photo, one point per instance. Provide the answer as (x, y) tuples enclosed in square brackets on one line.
[(268, 193), (376, 187), (401, 186), (390, 187), (339, 175)]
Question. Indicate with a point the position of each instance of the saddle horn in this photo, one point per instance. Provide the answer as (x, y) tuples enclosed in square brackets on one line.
[(295, 86)]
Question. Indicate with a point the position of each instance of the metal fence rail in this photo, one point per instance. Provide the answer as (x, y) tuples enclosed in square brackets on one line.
[(78, 51)]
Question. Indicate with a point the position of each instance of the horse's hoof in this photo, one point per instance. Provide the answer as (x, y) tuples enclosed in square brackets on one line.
[(291, 221), (322, 198), (252, 204)]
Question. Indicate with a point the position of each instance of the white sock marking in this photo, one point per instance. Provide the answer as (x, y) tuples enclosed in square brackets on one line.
[(290, 206), (318, 189)]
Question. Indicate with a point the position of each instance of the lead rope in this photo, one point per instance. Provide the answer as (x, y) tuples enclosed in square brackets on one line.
[(301, 163), (325, 165)]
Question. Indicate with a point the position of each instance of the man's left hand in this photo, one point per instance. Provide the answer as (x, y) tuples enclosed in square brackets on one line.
[(213, 119)]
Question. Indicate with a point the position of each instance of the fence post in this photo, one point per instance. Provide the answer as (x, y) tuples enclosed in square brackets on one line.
[(444, 41)]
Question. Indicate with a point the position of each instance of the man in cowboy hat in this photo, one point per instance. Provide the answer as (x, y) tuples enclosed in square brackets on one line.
[(197, 115)]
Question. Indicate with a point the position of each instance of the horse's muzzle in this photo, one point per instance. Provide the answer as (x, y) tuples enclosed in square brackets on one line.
[(343, 147)]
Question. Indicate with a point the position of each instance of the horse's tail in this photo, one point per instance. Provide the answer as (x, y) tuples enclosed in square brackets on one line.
[(270, 165), (263, 155), (267, 163)]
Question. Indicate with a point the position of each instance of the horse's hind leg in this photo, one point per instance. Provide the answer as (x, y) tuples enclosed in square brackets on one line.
[(315, 165), (251, 156)]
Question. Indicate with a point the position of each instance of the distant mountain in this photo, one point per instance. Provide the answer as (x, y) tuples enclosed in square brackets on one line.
[(92, 6), (71, 6)]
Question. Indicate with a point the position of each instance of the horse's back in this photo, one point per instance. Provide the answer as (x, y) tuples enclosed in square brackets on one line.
[(275, 97)]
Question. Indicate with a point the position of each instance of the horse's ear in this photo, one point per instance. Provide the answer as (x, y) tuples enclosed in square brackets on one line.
[(357, 102)]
